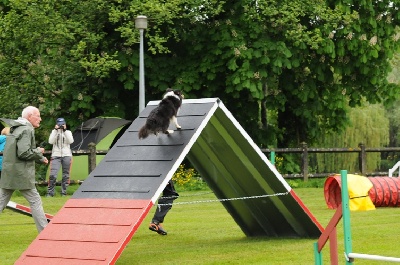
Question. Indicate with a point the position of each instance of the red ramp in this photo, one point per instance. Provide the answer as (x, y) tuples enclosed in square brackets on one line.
[(87, 232), (99, 220)]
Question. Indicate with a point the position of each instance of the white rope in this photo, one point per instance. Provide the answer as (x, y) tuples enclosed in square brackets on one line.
[(191, 195), (228, 199)]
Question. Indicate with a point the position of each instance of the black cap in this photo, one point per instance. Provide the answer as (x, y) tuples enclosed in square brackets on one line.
[(60, 121)]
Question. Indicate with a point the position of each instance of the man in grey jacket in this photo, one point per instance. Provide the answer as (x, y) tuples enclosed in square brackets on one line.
[(19, 157), (61, 156)]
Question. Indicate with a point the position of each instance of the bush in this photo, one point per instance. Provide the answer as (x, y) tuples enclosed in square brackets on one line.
[(188, 179), (311, 183)]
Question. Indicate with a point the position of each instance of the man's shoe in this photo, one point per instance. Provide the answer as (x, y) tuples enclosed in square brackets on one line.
[(157, 228)]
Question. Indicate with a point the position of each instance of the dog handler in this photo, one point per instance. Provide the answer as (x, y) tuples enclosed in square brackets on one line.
[(163, 207)]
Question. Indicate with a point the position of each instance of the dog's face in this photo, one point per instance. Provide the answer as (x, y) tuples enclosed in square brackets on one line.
[(174, 93)]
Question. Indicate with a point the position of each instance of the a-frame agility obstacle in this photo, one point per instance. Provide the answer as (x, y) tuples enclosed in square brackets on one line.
[(96, 224)]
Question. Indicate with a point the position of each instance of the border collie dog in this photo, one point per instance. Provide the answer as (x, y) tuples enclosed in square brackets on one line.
[(160, 117)]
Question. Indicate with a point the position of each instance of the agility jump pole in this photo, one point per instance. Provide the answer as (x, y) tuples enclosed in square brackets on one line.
[(349, 255), (330, 233), (19, 208)]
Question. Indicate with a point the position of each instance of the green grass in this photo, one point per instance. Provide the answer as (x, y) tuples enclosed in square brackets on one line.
[(205, 233)]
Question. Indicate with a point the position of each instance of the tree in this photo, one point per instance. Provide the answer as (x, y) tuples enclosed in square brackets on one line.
[(307, 61), (393, 111), (53, 55), (369, 125), (372, 125), (288, 70)]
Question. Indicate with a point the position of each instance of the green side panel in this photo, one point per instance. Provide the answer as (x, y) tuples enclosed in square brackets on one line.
[(80, 167), (106, 142)]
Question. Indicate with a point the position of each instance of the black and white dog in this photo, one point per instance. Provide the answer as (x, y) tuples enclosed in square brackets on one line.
[(166, 112)]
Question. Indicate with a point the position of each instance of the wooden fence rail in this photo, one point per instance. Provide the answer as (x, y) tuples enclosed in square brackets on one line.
[(304, 150), (362, 151)]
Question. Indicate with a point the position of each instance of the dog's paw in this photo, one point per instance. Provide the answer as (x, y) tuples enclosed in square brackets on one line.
[(178, 127), (169, 131)]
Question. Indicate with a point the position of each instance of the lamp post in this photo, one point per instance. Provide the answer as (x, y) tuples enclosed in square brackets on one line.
[(141, 24)]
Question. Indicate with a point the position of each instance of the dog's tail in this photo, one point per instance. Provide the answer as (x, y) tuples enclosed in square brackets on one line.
[(143, 132)]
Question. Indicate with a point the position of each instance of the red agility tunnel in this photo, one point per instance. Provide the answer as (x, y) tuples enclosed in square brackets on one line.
[(384, 193)]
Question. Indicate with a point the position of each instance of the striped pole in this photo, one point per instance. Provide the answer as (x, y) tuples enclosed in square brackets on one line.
[(372, 257), (19, 208)]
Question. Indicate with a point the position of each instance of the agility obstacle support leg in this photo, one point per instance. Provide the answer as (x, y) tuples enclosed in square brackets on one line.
[(346, 217), (317, 255)]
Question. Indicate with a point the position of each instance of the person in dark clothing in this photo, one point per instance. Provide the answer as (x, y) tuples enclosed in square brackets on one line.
[(163, 207)]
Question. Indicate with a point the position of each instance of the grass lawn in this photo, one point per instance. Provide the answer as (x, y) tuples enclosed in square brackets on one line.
[(205, 233)]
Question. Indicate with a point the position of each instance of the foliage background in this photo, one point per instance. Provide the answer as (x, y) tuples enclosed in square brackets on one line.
[(289, 71)]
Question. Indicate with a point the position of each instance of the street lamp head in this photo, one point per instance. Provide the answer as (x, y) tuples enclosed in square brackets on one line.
[(141, 22)]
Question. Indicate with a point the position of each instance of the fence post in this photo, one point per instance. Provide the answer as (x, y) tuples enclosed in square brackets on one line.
[(272, 157), (362, 159), (92, 157), (304, 161)]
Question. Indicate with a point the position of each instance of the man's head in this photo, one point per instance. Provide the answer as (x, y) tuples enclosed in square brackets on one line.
[(32, 114)]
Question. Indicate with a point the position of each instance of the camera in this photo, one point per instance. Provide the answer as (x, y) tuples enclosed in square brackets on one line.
[(60, 123)]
